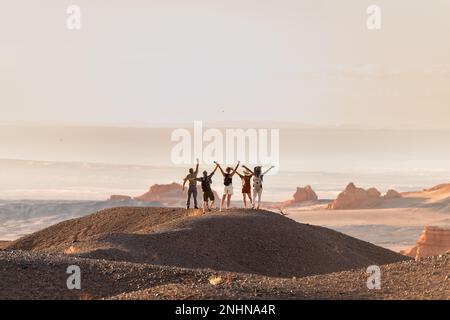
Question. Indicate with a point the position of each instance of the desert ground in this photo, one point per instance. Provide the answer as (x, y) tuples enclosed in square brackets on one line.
[(167, 253), (393, 223), (393, 228)]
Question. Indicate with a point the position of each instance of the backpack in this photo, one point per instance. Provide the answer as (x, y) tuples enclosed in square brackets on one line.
[(227, 180), (257, 182)]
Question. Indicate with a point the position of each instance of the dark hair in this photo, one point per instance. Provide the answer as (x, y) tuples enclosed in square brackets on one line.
[(191, 170)]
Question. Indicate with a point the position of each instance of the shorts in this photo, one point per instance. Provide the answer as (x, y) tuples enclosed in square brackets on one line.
[(208, 195), (228, 190)]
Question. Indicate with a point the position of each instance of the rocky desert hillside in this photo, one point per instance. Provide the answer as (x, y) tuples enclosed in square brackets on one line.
[(34, 275), (246, 241), (164, 253)]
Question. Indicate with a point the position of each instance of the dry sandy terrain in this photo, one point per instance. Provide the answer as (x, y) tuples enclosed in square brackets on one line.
[(259, 242), (389, 217), (4, 244), (396, 224), (163, 253), (32, 275)]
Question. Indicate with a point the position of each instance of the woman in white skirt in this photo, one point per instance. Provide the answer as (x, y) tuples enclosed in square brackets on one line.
[(228, 184)]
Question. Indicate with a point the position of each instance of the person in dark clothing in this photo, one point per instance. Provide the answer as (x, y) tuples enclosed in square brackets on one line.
[(228, 184), (208, 194), (192, 190)]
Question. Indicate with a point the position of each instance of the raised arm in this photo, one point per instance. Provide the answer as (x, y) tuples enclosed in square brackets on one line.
[(245, 167), (235, 168), (214, 171), (218, 166), (196, 168), (240, 175), (268, 170)]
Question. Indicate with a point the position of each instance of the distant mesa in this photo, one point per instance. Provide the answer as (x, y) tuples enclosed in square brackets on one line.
[(117, 197), (392, 194), (445, 187), (433, 241), (305, 194), (169, 195), (437, 193), (373, 193), (158, 192), (358, 198), (302, 195)]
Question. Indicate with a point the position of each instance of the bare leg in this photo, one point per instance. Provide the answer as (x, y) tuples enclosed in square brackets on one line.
[(228, 201), (250, 197), (245, 200), (211, 205), (205, 206), (222, 202)]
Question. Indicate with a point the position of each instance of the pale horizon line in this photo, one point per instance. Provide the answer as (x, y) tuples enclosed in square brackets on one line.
[(173, 166), (228, 124)]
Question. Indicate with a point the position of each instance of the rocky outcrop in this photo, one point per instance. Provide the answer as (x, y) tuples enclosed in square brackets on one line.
[(170, 195), (158, 190), (356, 198), (433, 241), (392, 194), (117, 197), (164, 193), (373, 193), (301, 195), (305, 194)]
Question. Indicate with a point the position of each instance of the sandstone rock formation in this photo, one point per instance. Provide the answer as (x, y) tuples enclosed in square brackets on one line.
[(305, 194), (356, 198), (170, 195), (437, 193), (392, 194), (162, 193), (373, 193), (117, 197), (433, 241), (301, 195)]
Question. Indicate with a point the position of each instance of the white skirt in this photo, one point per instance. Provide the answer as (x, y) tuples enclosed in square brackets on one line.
[(228, 190)]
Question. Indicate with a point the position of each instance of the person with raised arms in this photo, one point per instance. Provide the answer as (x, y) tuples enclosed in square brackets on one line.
[(192, 190), (258, 177), (228, 184), (246, 179), (208, 194)]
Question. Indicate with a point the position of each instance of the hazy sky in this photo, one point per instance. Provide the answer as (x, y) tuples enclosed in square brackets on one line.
[(144, 62)]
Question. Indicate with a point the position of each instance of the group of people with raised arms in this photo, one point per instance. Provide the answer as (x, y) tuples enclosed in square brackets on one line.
[(247, 177)]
